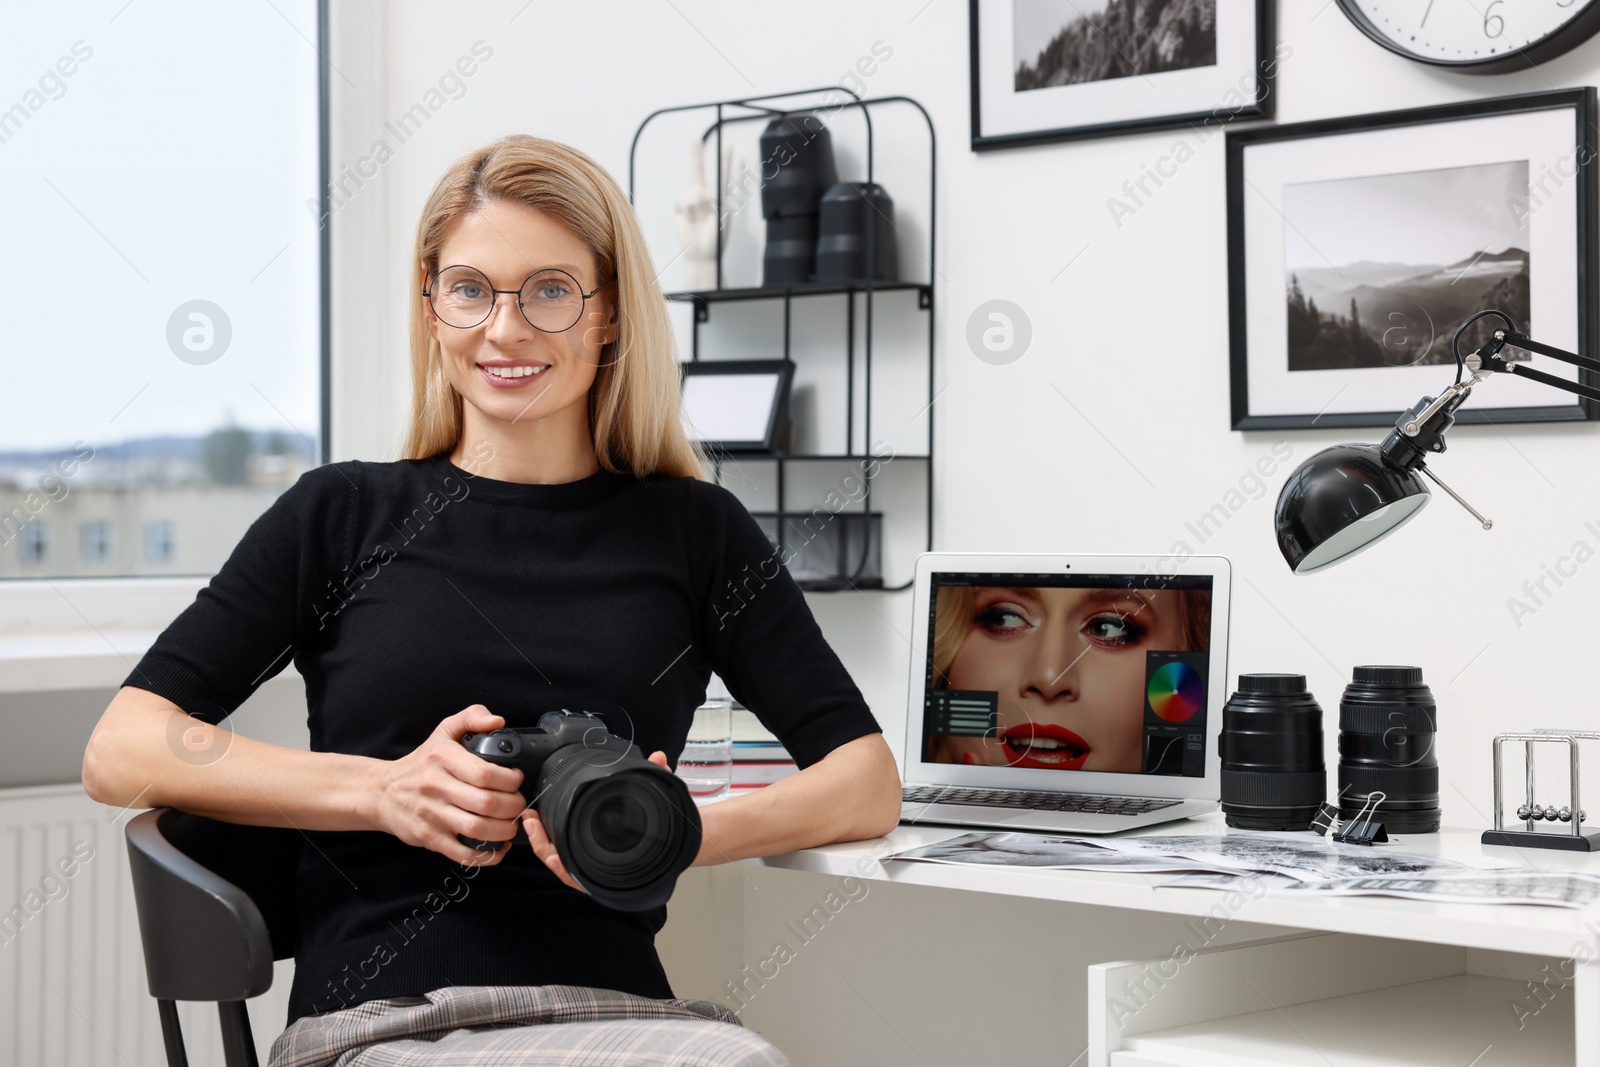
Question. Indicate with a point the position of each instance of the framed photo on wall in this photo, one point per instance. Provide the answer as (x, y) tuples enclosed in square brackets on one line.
[(1061, 70), (1358, 246)]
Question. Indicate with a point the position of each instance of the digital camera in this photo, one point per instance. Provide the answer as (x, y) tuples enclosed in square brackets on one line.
[(625, 828)]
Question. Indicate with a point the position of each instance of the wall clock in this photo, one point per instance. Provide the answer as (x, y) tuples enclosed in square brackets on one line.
[(1476, 36)]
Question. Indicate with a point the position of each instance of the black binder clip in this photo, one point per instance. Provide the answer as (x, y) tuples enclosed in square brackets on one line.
[(1326, 819), (1365, 828)]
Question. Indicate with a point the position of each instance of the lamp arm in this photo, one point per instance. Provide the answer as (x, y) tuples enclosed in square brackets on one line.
[(1488, 359), (1540, 376), (1517, 340), (1420, 430)]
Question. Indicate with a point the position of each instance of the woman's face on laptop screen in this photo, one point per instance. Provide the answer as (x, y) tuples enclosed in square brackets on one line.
[(1068, 665)]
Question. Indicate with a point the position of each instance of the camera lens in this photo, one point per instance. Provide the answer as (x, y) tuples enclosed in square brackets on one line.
[(619, 824), (1273, 774), (1387, 719), (625, 827), (624, 831)]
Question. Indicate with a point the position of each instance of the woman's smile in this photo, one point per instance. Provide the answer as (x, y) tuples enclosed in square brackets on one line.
[(511, 373), (1033, 744)]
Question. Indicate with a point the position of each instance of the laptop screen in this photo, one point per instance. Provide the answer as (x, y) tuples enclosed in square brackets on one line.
[(1080, 672)]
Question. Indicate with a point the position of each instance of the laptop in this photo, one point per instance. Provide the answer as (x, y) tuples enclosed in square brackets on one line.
[(1078, 694)]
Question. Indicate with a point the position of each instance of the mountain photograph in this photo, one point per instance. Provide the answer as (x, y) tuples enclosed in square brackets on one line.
[(1382, 270), (1066, 42)]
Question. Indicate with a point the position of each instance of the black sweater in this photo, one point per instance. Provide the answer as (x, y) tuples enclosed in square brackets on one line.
[(407, 591)]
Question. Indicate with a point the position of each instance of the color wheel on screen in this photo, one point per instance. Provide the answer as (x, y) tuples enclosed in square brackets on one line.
[(1176, 692)]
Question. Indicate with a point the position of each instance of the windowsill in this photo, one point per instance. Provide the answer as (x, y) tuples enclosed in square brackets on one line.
[(84, 659), (67, 605), (73, 659)]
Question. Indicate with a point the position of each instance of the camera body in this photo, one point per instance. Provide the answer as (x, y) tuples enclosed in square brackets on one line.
[(527, 747), (624, 827)]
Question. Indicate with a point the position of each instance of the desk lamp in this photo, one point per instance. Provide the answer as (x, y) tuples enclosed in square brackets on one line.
[(1351, 496)]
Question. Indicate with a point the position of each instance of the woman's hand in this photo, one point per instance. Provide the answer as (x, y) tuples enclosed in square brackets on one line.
[(440, 790), (546, 851)]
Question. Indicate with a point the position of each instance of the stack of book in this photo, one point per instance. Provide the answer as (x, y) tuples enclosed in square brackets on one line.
[(758, 758)]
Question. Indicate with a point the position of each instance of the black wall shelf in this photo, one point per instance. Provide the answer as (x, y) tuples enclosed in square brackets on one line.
[(793, 457), (828, 553), (703, 298), (763, 108)]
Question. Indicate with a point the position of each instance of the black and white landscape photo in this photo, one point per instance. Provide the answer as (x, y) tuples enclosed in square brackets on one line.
[(1381, 270), (1066, 42)]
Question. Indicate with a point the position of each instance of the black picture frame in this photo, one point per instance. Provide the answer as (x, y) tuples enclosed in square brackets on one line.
[(1265, 71), (778, 408), (1585, 269)]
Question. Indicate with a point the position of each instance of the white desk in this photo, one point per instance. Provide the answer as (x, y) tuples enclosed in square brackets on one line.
[(955, 965)]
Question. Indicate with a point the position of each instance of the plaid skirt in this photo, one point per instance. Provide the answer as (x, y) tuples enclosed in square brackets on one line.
[(524, 1026)]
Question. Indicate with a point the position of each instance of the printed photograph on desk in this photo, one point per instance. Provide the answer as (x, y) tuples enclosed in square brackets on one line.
[(1225, 861), (1559, 889), (1074, 673), (1359, 246), (998, 849)]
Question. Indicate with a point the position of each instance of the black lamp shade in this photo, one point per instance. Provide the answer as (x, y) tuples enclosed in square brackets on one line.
[(1340, 501)]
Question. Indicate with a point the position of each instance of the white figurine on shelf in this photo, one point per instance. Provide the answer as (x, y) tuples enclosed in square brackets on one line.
[(696, 212)]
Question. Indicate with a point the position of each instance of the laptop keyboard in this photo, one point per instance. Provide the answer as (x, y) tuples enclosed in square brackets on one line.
[(1034, 801)]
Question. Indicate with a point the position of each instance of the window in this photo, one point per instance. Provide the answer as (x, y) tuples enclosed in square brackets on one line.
[(33, 543), (94, 540), (158, 541), (161, 171)]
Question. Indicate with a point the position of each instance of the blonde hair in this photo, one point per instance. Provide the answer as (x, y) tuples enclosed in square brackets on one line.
[(952, 619), (633, 403)]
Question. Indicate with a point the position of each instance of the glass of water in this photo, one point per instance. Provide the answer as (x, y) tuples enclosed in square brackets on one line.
[(706, 765)]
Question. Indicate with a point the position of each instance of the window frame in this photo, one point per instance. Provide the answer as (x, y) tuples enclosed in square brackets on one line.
[(148, 603)]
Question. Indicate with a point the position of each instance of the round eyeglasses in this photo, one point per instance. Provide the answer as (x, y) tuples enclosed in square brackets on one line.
[(551, 300)]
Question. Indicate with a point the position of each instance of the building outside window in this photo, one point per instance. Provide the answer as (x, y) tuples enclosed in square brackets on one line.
[(94, 541), (158, 541), (33, 543)]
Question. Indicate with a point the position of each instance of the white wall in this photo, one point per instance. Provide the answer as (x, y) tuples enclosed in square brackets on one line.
[(1134, 332)]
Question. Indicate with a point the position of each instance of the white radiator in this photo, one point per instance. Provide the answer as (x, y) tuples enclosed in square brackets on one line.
[(72, 982)]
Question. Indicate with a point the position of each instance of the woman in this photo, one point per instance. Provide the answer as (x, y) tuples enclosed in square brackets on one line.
[(549, 539), (1067, 665)]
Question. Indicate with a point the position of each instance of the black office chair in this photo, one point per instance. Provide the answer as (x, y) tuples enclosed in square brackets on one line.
[(216, 907)]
